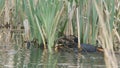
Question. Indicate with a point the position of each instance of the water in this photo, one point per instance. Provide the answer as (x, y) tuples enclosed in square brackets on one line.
[(13, 55)]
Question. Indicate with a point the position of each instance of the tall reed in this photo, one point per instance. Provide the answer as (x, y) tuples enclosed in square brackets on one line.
[(87, 19), (44, 17), (2, 2), (106, 32)]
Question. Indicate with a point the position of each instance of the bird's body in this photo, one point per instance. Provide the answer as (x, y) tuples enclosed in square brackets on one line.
[(88, 48)]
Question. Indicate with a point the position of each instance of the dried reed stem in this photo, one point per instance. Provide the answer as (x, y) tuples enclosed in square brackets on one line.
[(78, 26), (106, 39)]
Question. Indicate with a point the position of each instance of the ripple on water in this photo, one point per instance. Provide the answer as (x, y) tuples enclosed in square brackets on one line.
[(12, 52), (9, 66)]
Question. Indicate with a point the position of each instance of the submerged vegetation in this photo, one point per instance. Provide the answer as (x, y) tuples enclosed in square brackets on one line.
[(95, 22)]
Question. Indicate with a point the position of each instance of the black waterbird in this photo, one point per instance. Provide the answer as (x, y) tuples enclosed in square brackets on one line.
[(87, 47)]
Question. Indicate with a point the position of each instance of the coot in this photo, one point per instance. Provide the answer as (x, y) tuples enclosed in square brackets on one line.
[(87, 47)]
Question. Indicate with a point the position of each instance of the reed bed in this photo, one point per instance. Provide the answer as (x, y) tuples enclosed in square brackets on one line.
[(89, 20)]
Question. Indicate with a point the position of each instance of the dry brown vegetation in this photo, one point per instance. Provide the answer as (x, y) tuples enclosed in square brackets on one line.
[(89, 20)]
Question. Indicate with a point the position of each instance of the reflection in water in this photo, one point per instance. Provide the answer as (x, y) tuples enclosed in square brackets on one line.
[(13, 56), (8, 57)]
